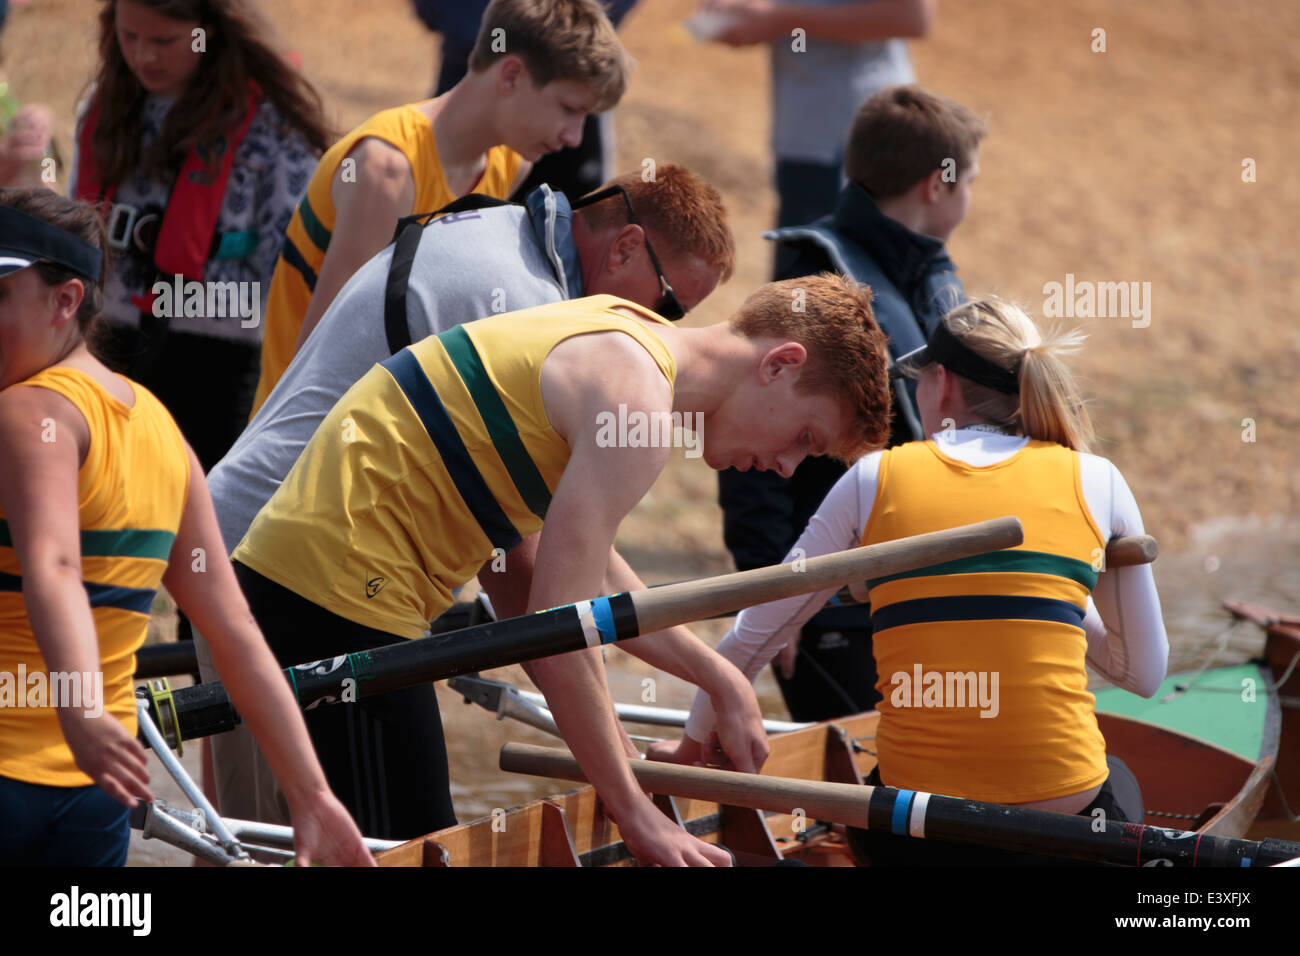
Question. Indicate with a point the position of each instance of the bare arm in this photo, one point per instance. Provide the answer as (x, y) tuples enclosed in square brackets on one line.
[(582, 378), (203, 583), (679, 652), (507, 582), (367, 208)]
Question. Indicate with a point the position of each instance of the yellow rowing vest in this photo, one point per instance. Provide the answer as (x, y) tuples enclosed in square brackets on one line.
[(981, 660), (131, 491), (434, 459), (308, 235)]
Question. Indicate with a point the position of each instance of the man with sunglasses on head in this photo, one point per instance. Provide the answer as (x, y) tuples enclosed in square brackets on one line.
[(462, 266)]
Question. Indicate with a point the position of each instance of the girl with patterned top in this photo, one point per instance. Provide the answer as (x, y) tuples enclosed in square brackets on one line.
[(197, 141)]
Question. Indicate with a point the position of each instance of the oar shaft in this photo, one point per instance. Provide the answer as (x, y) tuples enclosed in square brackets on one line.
[(1120, 552), (205, 709), (924, 815), (671, 604)]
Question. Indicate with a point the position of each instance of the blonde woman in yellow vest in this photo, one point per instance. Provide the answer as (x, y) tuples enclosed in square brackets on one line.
[(1009, 436), (538, 68), (101, 500), (440, 459)]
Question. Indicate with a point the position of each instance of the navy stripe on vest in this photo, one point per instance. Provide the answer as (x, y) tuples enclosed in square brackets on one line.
[(292, 257), (976, 607), (469, 481), (139, 600)]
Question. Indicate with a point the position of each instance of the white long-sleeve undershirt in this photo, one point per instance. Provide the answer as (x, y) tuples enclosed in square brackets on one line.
[(1126, 633)]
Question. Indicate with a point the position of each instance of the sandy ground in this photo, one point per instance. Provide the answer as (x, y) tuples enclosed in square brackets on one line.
[(1123, 165)]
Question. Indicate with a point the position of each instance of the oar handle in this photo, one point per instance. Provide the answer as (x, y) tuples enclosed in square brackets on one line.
[(818, 799), (672, 604), (1130, 550)]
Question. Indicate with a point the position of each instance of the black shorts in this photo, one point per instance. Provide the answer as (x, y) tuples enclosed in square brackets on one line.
[(384, 756)]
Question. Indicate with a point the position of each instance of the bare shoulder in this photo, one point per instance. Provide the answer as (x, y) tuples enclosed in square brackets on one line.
[(372, 167), (22, 406), (32, 418), (597, 371)]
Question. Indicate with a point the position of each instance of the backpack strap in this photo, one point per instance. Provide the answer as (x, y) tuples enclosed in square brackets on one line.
[(406, 240)]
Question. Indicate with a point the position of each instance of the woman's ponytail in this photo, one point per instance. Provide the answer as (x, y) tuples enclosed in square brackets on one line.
[(1050, 406)]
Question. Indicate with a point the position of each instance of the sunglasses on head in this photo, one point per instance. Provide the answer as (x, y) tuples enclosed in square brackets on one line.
[(669, 306)]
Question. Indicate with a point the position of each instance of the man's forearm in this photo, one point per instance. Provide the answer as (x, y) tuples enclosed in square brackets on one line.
[(856, 22), (675, 650), (577, 694)]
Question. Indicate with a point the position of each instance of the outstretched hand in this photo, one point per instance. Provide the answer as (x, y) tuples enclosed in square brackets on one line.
[(656, 841), (685, 751), (105, 751), (747, 21), (741, 738), (324, 832)]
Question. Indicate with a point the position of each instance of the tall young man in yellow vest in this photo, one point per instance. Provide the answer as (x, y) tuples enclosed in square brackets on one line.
[(538, 68), (467, 441)]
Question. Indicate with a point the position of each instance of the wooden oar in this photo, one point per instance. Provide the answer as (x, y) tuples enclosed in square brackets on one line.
[(925, 815), (165, 660), (205, 709), (1131, 550)]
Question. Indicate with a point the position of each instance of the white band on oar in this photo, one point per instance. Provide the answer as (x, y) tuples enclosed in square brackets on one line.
[(590, 633), (916, 820)]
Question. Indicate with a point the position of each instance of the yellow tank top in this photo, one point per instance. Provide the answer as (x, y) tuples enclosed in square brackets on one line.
[(981, 660), (308, 235), (434, 459), (131, 491)]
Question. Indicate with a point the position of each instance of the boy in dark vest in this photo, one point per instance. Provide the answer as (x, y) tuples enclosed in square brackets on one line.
[(910, 160)]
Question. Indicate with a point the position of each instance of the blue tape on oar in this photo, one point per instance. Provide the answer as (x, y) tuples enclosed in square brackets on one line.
[(902, 803), (604, 618)]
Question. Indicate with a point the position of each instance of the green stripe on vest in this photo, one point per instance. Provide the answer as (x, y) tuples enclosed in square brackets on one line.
[(501, 427), (1005, 562), (318, 233), (109, 543)]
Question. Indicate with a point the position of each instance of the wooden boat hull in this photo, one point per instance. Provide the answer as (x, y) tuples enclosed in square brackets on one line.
[(1277, 816), (1241, 781), (1207, 787), (1203, 747)]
